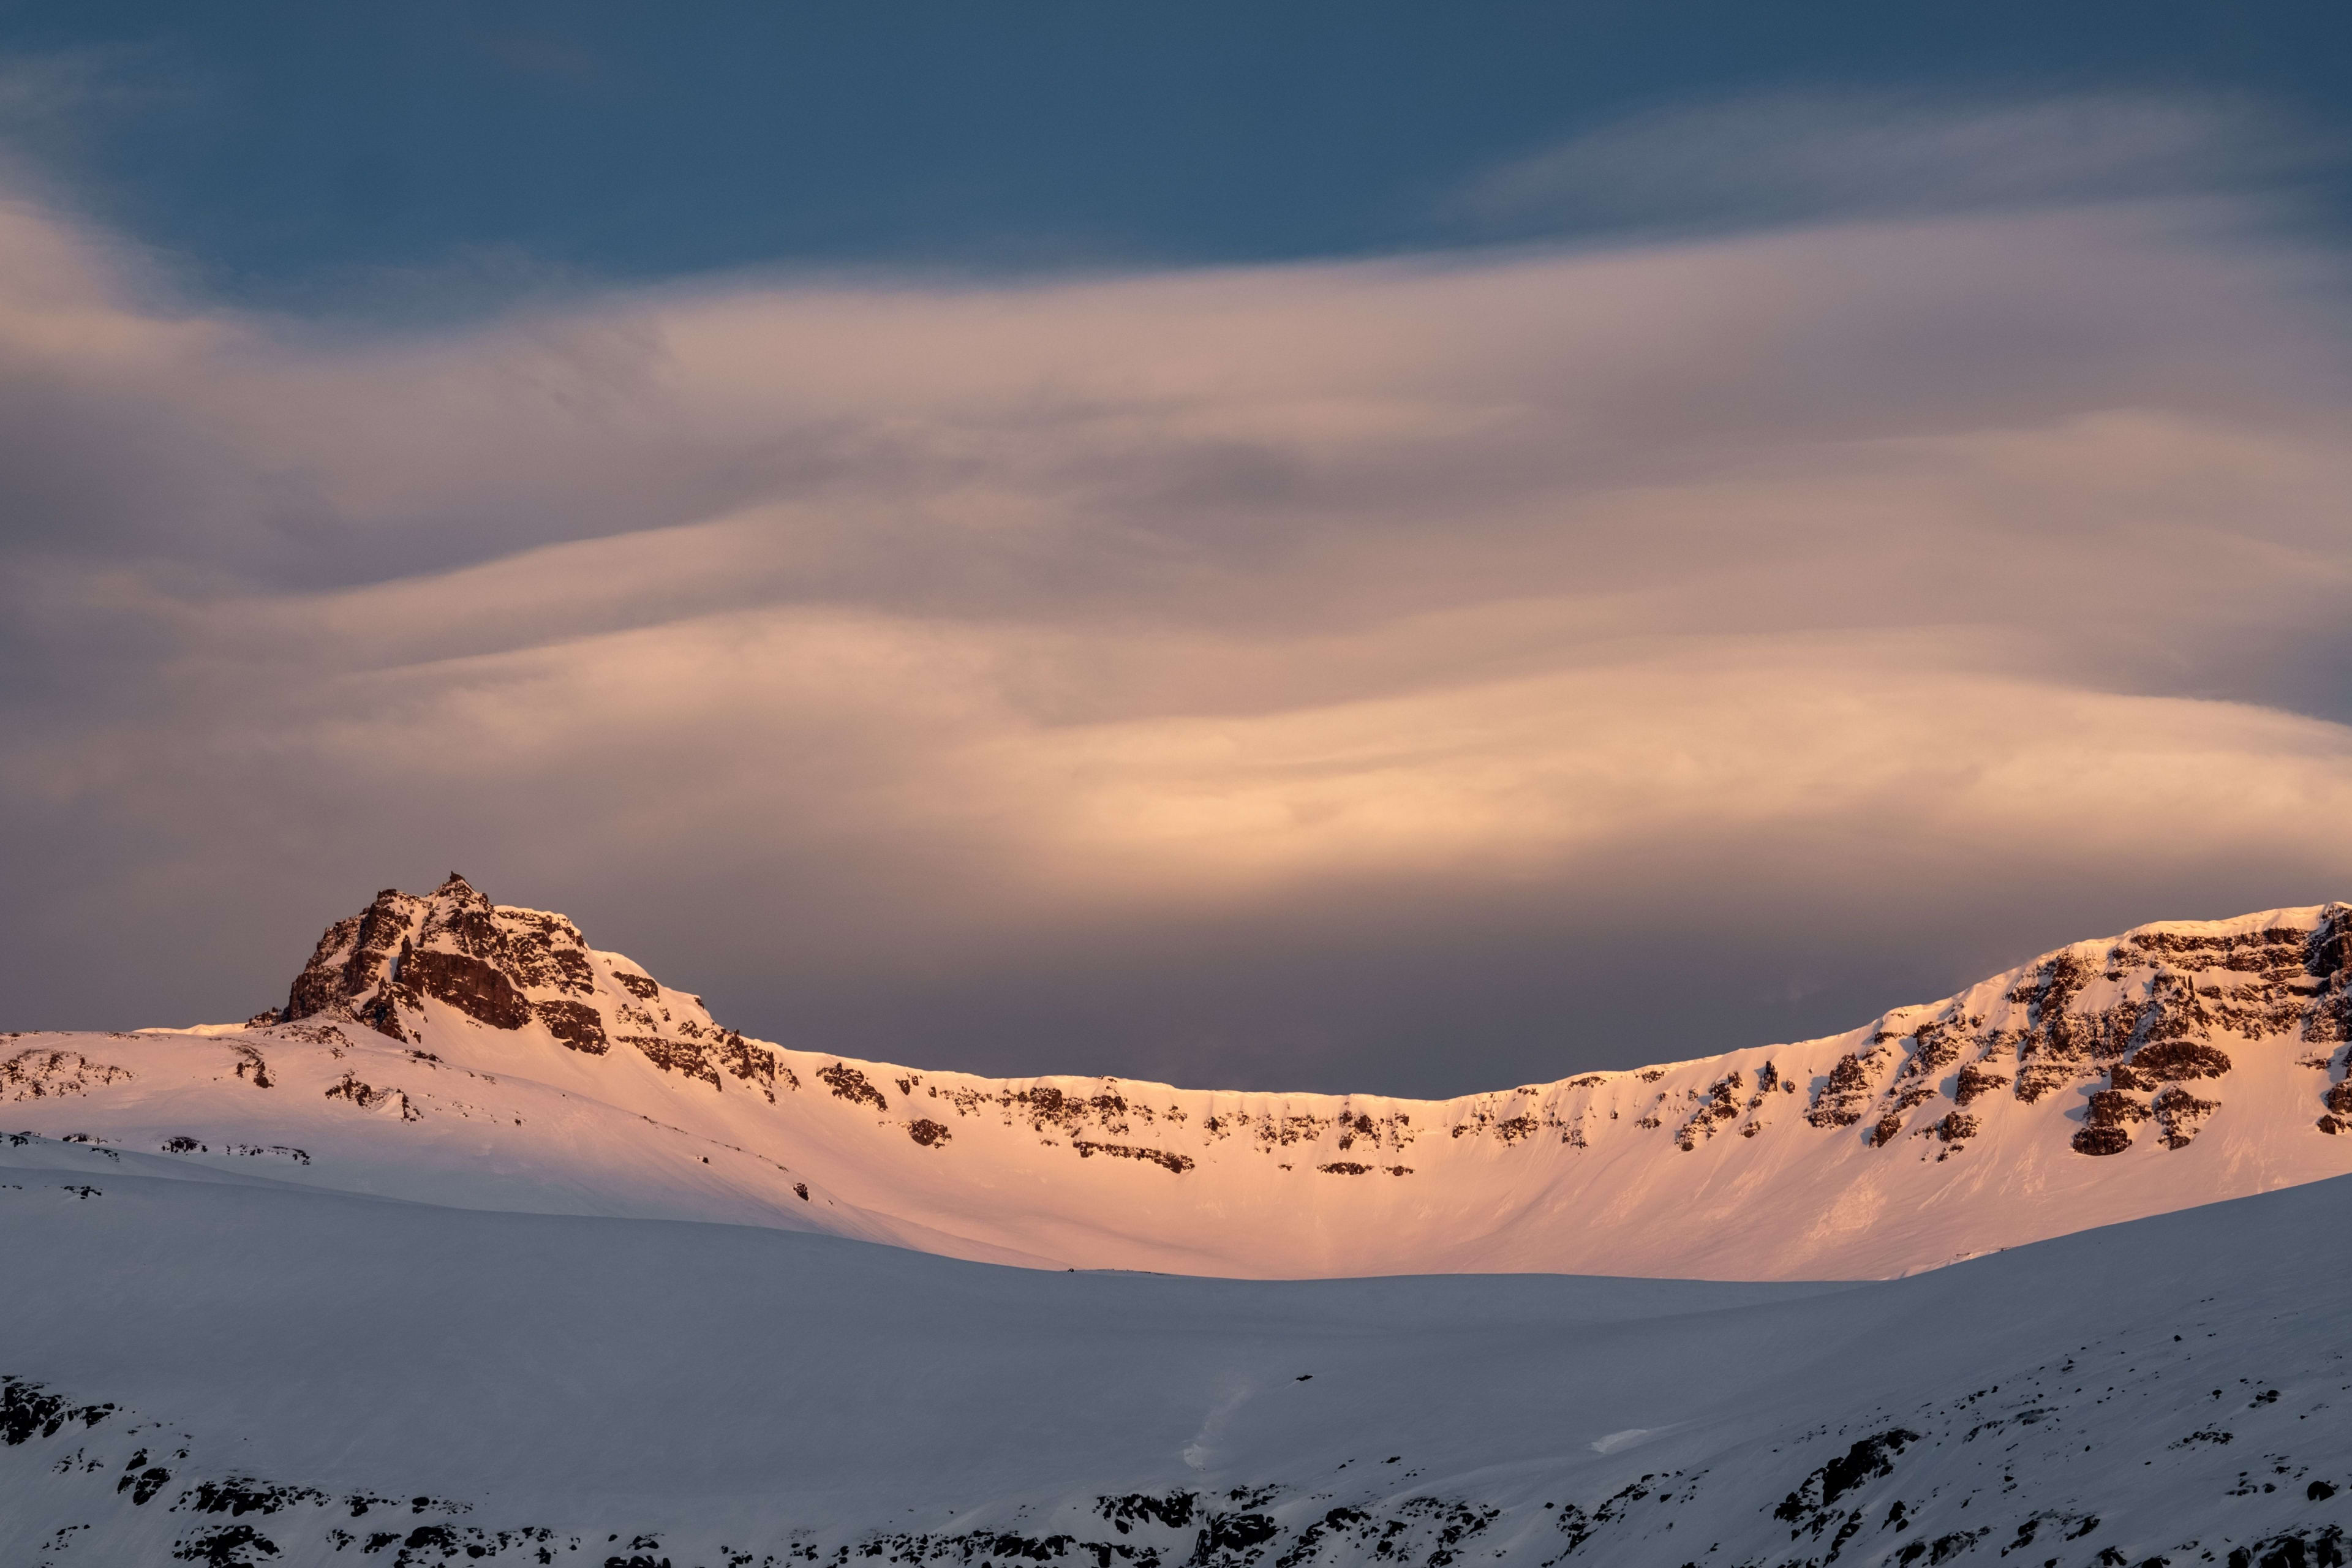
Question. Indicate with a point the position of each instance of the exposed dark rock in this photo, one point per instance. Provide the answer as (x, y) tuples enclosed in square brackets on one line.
[(46, 1075), (239, 1495), (2327, 948), (2327, 1016), (755, 1065), (367, 1097), (575, 1024), (1234, 1538), (1846, 1094), (469, 984), (381, 1013), (928, 1133), (1581, 1527), (1953, 1127), (354, 955), (26, 1412), (2113, 1107), (2038, 1079), (229, 1546), (2107, 1122), (1174, 1511), (1719, 1105), (847, 1083), (2178, 1114), (543, 951), (142, 1485), (2048, 990), (1868, 1460), (2101, 1141), (2313, 1546), (324, 981), (1976, 1080), (1179, 1164), (495, 964), (1936, 1047), (2172, 1061), (676, 1056)]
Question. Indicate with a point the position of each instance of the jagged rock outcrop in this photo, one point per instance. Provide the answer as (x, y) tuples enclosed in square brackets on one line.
[(509, 969), (454, 946), (2146, 1011)]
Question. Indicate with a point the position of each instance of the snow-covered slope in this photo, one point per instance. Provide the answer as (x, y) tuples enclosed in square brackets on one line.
[(443, 1050), (205, 1365)]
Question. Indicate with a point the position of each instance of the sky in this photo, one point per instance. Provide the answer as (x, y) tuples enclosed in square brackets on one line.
[(1385, 548)]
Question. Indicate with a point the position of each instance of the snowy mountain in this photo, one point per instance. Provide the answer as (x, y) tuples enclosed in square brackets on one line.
[(447, 1050), (420, 1268), (210, 1366)]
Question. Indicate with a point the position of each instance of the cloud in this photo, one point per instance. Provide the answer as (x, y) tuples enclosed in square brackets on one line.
[(1424, 673), (66, 90), (1810, 156)]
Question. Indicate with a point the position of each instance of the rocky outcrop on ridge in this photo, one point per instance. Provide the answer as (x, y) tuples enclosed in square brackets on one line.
[(2133, 1022), (508, 969)]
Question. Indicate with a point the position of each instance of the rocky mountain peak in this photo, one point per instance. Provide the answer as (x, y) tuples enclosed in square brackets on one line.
[(451, 957), (498, 965)]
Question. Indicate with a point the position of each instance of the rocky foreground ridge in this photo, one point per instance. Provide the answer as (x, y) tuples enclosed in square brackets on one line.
[(2177, 1063)]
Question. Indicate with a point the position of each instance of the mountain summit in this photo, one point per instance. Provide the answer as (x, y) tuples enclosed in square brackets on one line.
[(507, 969), (443, 1047)]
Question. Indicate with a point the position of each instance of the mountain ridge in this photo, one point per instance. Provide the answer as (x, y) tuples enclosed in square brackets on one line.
[(442, 1045)]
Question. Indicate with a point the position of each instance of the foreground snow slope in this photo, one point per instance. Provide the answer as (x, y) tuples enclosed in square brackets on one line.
[(442, 1048), (210, 1367)]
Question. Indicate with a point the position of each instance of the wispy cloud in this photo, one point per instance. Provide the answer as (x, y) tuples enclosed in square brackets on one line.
[(75, 86), (1809, 156)]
